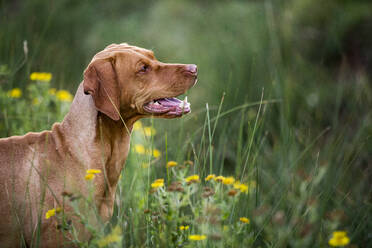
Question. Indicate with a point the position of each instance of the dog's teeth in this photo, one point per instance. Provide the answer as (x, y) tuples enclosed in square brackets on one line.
[(156, 103), (181, 104), (185, 99)]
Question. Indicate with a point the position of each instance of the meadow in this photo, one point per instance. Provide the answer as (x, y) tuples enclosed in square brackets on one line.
[(277, 149)]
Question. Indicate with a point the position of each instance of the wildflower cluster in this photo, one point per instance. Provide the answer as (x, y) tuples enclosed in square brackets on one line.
[(210, 205), (142, 138), (140, 149), (61, 95), (243, 188), (45, 105)]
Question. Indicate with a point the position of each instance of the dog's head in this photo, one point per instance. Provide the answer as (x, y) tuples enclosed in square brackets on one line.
[(129, 81)]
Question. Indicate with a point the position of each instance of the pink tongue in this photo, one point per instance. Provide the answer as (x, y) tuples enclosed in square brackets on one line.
[(169, 102)]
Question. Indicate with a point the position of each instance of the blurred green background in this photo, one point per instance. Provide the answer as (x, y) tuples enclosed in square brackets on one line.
[(314, 57)]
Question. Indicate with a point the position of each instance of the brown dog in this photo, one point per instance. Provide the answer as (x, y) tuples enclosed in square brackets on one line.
[(121, 85)]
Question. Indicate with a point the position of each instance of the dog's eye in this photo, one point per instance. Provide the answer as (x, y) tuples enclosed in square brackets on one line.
[(144, 68)]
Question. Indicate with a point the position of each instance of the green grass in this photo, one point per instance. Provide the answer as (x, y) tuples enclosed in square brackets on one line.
[(299, 190)]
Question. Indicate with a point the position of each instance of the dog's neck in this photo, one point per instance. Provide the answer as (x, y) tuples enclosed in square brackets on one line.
[(91, 134)]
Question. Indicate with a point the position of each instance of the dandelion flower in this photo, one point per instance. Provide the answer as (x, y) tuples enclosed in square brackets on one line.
[(15, 93), (339, 238), (89, 176), (41, 76), (157, 183), (192, 179), (156, 153), (241, 186), (140, 149), (137, 126), (64, 96), (50, 213), (93, 171), (197, 237), (149, 131), (245, 220), (171, 164), (219, 178), (209, 177), (237, 185), (228, 180), (184, 228)]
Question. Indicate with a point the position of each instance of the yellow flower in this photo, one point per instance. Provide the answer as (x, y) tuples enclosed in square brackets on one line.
[(237, 185), (197, 237), (243, 188), (219, 178), (50, 213), (41, 76), (140, 149), (64, 96), (209, 177), (339, 238), (114, 237), (58, 210), (52, 91), (149, 131), (192, 179), (137, 125), (91, 174), (15, 93), (245, 220), (157, 183), (156, 153), (228, 180), (93, 171), (171, 164), (89, 177), (184, 228), (35, 101)]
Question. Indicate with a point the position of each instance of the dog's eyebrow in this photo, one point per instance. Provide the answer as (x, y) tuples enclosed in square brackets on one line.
[(149, 54)]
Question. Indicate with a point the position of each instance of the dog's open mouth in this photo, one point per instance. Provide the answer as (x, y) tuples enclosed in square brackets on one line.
[(168, 106)]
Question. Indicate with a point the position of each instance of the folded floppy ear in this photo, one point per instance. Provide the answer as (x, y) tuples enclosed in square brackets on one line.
[(100, 82)]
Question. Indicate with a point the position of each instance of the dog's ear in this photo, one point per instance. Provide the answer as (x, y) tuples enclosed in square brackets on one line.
[(100, 81)]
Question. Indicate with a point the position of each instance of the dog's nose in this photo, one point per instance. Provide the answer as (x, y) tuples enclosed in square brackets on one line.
[(192, 69)]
